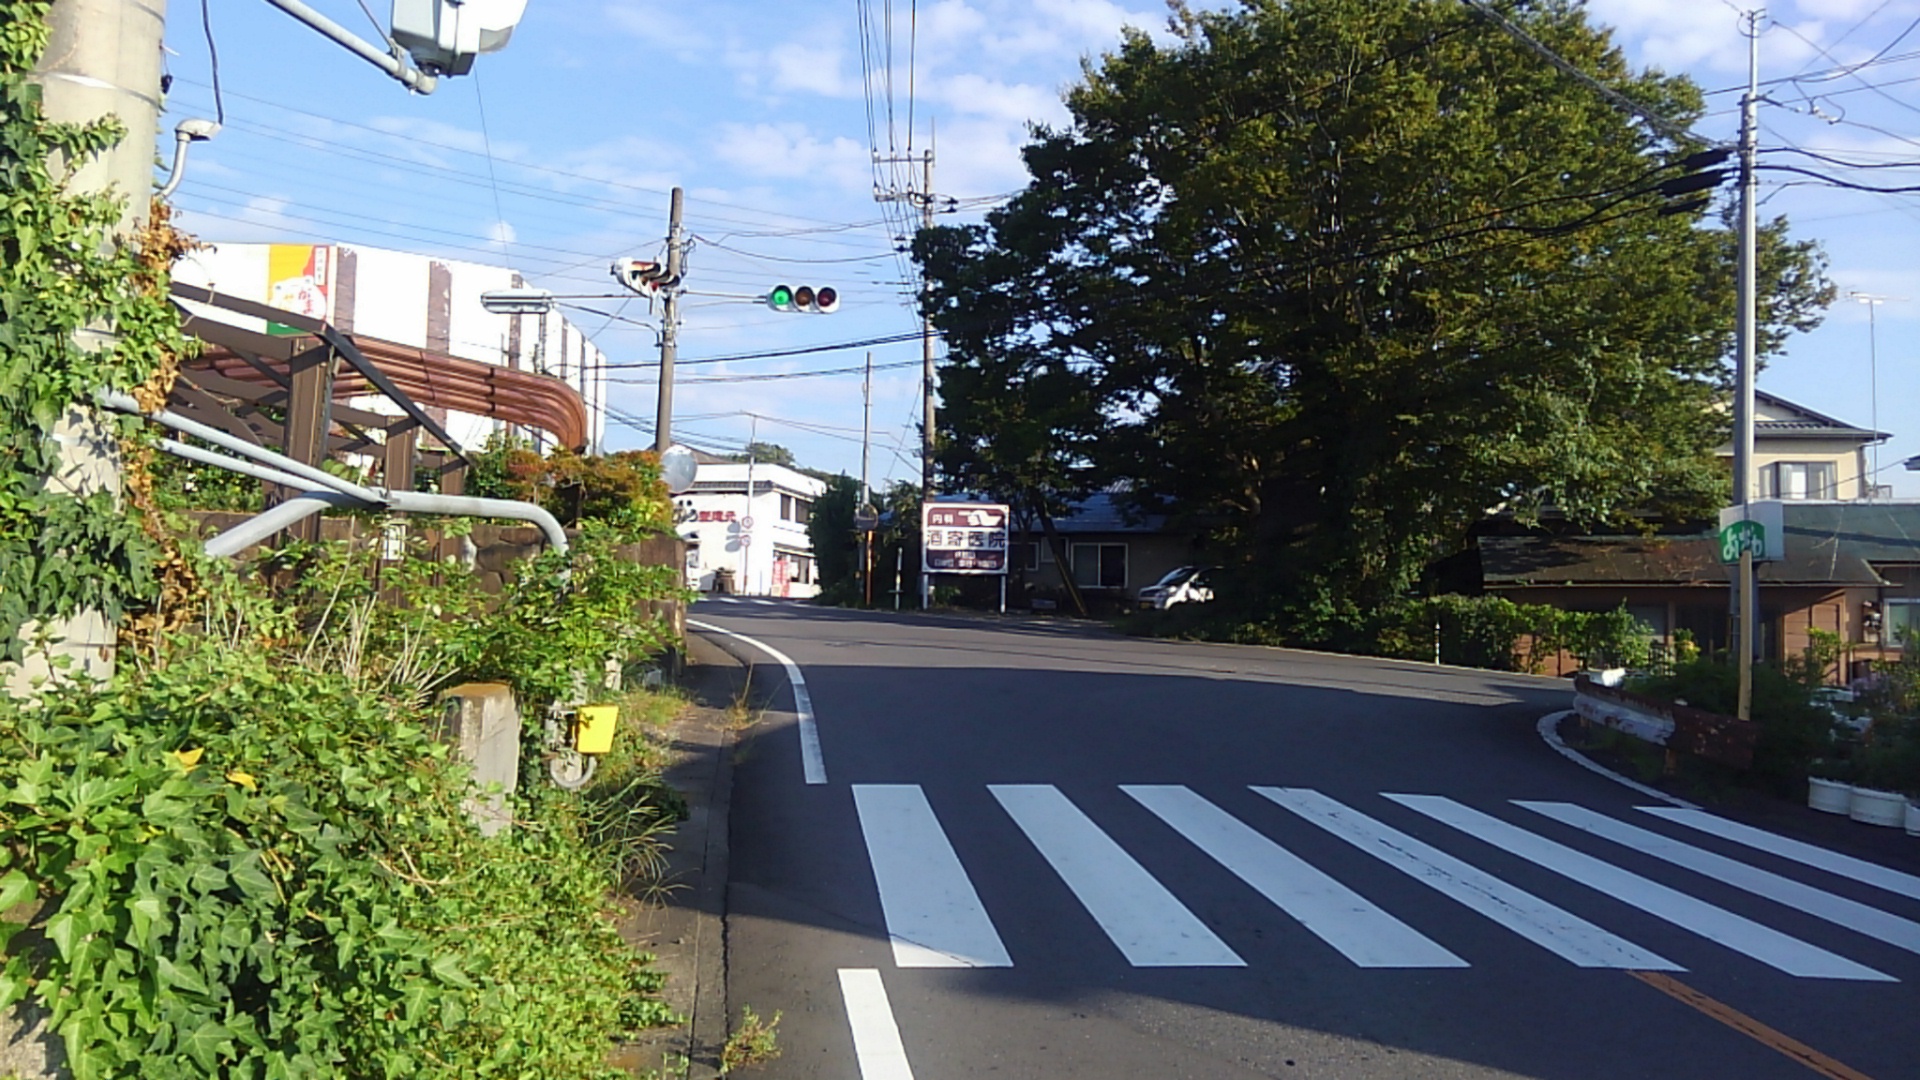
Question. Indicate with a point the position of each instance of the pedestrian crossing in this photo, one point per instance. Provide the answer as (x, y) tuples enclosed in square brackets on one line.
[(936, 918)]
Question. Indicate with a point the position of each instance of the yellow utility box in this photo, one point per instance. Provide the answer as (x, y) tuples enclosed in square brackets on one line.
[(593, 728)]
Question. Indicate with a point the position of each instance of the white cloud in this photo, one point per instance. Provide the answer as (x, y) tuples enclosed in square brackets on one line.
[(501, 233), (657, 23), (815, 69), (790, 151)]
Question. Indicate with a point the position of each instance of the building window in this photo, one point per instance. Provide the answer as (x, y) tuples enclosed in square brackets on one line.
[(796, 509), (1900, 624), (1798, 480), (1023, 556), (1100, 566)]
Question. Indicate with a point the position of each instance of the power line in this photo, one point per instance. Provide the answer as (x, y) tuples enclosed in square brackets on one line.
[(839, 346), (772, 376)]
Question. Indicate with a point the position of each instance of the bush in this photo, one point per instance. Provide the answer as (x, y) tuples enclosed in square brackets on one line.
[(247, 868), (1475, 631), (1795, 728)]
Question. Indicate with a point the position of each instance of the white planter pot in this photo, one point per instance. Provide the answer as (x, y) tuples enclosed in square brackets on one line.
[(1913, 818), (1829, 796), (1878, 807)]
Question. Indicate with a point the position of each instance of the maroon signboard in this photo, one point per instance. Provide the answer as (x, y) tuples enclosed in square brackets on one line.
[(963, 538)]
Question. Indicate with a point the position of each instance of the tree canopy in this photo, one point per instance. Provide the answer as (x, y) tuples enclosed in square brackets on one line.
[(1332, 280)]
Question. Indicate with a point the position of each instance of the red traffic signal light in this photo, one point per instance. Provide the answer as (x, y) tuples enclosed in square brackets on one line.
[(810, 299), (643, 277)]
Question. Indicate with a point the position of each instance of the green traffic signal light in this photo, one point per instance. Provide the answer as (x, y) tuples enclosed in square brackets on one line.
[(780, 298)]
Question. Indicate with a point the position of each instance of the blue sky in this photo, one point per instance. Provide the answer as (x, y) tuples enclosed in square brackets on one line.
[(558, 154)]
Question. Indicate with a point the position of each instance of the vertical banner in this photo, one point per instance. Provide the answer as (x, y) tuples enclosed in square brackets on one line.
[(298, 281)]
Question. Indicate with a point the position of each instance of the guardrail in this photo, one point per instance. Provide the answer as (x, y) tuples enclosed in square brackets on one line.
[(1680, 729)]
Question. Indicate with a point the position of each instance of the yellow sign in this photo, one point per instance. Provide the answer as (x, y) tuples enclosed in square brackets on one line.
[(298, 281)]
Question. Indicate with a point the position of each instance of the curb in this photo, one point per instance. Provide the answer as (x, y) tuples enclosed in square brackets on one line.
[(1548, 727)]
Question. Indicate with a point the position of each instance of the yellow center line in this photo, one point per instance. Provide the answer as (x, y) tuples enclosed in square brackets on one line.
[(1748, 1026)]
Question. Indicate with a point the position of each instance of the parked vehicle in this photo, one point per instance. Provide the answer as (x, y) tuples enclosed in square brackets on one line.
[(1181, 585)]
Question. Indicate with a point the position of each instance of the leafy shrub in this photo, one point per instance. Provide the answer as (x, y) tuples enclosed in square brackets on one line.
[(1475, 631), (622, 489), (1795, 728), (252, 869)]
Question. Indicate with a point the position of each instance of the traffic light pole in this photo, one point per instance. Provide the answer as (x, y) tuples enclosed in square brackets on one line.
[(670, 329)]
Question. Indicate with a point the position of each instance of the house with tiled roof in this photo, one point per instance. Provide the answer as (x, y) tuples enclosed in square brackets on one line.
[(1852, 564), (1802, 454)]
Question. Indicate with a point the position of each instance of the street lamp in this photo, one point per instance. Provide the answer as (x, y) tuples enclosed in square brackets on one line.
[(1873, 379)]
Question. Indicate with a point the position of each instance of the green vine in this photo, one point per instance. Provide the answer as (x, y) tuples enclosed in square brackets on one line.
[(62, 271)]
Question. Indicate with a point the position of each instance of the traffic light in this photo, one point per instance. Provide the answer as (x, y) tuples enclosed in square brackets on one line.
[(1697, 174), (811, 299), (643, 277)]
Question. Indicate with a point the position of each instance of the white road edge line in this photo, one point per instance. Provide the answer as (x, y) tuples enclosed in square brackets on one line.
[(876, 1038), (1547, 729), (811, 761)]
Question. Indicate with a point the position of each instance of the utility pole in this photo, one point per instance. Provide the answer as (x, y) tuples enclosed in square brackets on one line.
[(669, 330), (103, 59), (866, 493), (924, 198), (926, 353), (746, 520), (1744, 598)]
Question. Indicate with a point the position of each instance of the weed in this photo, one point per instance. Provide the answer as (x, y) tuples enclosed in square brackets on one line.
[(742, 713), (752, 1043)]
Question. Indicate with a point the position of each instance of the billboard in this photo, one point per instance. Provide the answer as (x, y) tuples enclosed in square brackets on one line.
[(298, 281), (963, 538)]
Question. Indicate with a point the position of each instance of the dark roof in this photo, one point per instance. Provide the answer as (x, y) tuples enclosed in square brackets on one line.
[(1829, 543), (1807, 424), (1101, 513)]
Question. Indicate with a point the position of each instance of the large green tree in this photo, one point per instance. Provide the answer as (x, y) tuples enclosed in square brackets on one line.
[(1332, 279)]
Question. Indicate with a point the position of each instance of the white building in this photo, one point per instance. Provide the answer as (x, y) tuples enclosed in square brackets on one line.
[(420, 301), (761, 538)]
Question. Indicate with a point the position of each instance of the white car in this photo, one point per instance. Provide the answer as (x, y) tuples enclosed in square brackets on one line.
[(1181, 585)]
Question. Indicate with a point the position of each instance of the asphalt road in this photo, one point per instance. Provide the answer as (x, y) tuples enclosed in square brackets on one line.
[(1036, 850)]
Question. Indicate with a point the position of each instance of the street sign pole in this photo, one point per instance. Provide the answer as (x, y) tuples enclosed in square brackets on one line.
[(1744, 709)]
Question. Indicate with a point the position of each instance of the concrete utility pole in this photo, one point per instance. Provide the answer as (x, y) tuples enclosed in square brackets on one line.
[(1744, 599), (926, 351), (103, 59), (669, 330), (866, 493)]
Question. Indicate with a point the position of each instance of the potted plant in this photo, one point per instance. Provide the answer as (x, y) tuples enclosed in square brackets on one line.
[(1876, 798), (1830, 785)]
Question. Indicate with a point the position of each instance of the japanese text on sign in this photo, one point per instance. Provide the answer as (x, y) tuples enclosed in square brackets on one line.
[(964, 538)]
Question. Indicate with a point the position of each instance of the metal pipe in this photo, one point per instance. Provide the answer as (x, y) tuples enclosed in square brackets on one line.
[(245, 468), (421, 502), (409, 501), (417, 81), (308, 474), (262, 525)]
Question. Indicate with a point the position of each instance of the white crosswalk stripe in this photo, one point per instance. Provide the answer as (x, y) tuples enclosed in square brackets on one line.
[(1806, 854), (1148, 925), (1341, 917), (1871, 921), (1769, 946), (933, 915), (935, 918), (1560, 932)]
